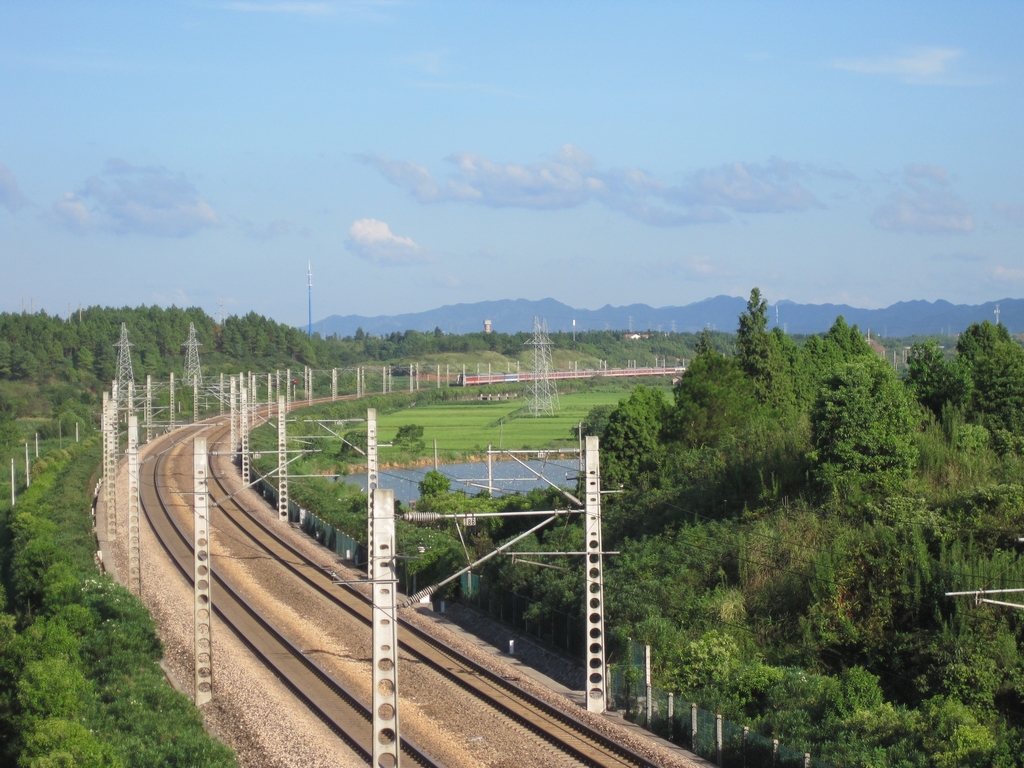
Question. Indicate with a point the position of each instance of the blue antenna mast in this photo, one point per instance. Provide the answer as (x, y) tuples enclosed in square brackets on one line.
[(309, 290)]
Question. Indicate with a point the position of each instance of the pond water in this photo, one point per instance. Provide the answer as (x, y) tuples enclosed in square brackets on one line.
[(508, 476)]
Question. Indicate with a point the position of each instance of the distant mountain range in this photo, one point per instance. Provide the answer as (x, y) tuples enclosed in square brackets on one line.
[(907, 318)]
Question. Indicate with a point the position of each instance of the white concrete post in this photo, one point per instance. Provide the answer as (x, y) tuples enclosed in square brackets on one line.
[(110, 462), (134, 522), (282, 459), (220, 397), (234, 417), (334, 384), (170, 406), (195, 399), (647, 685), (244, 446), (201, 576), (147, 411), (596, 669), (371, 481), (386, 739)]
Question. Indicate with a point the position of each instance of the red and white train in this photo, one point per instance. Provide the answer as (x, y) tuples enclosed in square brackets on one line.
[(481, 379)]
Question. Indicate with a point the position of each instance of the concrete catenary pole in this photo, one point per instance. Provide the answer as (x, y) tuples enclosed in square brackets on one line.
[(201, 576), (371, 482), (134, 521), (170, 407), (282, 459), (147, 409), (110, 464), (597, 672), (244, 434), (386, 737), (234, 417), (334, 384)]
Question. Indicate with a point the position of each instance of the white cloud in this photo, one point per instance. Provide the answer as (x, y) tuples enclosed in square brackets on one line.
[(73, 213), (1008, 274), (571, 178), (134, 200), (747, 188), (10, 194), (372, 239), (1012, 212), (924, 205), (923, 65)]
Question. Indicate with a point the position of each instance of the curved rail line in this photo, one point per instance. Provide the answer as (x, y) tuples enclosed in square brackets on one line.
[(327, 698), (568, 734)]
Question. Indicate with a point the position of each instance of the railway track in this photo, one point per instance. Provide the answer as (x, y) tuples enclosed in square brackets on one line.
[(325, 696)]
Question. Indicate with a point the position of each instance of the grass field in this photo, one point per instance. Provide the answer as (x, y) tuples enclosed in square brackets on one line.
[(467, 427)]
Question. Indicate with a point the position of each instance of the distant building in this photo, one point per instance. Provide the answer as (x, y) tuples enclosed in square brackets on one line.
[(879, 349), (487, 326), (635, 336)]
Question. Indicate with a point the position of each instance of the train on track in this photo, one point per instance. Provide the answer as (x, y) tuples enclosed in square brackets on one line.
[(481, 379)]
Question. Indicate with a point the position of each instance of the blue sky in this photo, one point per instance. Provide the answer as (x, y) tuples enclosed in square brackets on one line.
[(421, 154)]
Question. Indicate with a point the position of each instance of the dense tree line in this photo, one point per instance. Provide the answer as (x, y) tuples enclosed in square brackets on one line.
[(79, 679), (80, 349), (789, 524)]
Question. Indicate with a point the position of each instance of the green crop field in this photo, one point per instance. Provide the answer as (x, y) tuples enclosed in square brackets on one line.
[(469, 426)]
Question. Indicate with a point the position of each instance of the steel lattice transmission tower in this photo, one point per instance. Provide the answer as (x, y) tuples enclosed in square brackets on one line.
[(542, 389), (125, 375), (193, 370)]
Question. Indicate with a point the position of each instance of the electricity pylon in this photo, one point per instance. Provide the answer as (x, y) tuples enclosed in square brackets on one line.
[(543, 391), (193, 370), (125, 375)]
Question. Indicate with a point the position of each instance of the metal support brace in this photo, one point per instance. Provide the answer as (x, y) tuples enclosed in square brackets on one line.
[(385, 632), (147, 412), (244, 446), (201, 576), (282, 460), (170, 407), (371, 480), (134, 543), (234, 417), (334, 384), (597, 672)]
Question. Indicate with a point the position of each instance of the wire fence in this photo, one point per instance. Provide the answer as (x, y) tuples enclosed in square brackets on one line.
[(325, 533), (681, 720), (557, 629)]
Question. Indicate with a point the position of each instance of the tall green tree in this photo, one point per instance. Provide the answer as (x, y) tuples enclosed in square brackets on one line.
[(760, 356), (632, 452), (934, 381), (863, 424)]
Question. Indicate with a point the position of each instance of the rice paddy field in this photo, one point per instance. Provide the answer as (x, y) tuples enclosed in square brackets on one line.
[(467, 427)]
